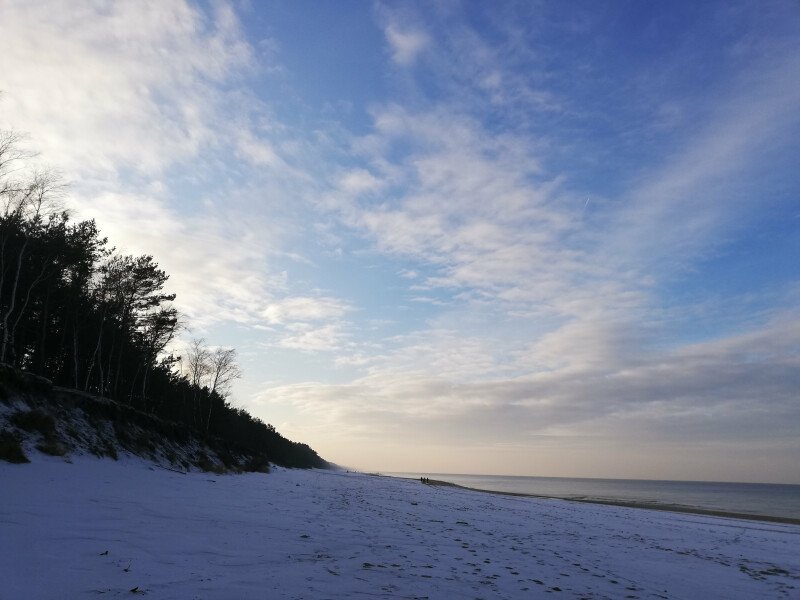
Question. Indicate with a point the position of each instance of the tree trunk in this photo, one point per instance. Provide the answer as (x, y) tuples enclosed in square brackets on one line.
[(119, 368), (22, 309), (133, 385), (75, 354), (90, 368), (13, 301), (40, 358), (144, 384)]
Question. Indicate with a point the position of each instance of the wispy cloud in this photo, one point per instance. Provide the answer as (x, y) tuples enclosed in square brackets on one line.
[(309, 337), (131, 85), (305, 309), (215, 278), (679, 209), (406, 43), (142, 106)]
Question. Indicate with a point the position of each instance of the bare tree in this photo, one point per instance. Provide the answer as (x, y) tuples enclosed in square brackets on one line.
[(198, 367), (223, 372), (10, 153), (25, 205), (198, 362)]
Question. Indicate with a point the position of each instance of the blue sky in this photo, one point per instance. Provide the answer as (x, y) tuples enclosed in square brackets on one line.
[(509, 237)]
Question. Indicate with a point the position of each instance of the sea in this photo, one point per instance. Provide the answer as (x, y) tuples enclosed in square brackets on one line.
[(757, 499)]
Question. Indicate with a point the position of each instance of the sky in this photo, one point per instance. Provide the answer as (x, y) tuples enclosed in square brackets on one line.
[(519, 238)]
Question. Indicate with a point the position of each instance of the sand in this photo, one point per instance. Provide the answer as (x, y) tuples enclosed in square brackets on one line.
[(105, 529)]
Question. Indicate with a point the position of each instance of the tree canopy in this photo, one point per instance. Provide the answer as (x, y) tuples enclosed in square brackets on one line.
[(74, 310)]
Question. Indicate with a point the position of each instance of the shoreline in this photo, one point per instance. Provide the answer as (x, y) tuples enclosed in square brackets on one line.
[(337, 535), (674, 508)]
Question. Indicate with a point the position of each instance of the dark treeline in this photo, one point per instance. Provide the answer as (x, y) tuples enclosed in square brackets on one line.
[(75, 311)]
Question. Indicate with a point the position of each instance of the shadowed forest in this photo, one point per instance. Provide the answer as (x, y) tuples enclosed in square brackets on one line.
[(76, 311)]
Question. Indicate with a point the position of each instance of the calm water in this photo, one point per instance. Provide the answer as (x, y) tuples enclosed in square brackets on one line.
[(773, 500)]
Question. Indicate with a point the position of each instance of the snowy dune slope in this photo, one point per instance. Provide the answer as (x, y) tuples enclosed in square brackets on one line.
[(104, 529)]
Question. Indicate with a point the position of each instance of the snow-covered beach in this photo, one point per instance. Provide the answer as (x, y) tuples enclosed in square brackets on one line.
[(99, 528)]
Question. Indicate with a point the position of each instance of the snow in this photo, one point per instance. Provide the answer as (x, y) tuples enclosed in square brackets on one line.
[(99, 528)]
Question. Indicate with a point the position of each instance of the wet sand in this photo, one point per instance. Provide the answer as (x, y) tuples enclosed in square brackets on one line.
[(628, 504)]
